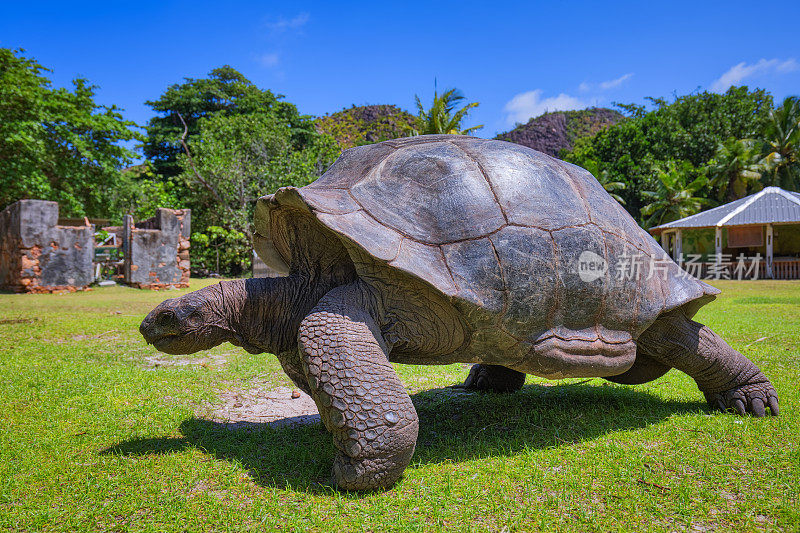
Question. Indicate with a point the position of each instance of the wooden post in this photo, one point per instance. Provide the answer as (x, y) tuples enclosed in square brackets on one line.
[(678, 246), (769, 250), (718, 240)]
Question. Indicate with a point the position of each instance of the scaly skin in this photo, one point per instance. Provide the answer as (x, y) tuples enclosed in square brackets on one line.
[(729, 380), (361, 400)]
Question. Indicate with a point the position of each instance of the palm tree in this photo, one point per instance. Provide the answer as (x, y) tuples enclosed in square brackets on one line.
[(674, 195), (737, 168), (782, 144), (604, 178), (442, 117)]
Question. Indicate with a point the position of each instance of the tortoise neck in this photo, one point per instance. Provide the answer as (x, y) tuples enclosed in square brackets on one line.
[(266, 313)]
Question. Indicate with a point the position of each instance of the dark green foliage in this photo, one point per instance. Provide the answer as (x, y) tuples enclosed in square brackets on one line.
[(244, 142), (57, 144), (226, 91), (235, 160), (139, 192), (736, 169), (675, 194), (782, 144), (366, 125), (688, 130), (218, 249)]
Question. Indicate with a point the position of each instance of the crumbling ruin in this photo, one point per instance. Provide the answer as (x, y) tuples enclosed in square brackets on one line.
[(156, 250), (41, 253)]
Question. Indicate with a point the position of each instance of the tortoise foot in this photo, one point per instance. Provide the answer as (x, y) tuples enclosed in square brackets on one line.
[(751, 398), (494, 378), (369, 473)]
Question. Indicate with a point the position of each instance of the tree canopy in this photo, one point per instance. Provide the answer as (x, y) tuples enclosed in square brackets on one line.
[(226, 92), (58, 144), (682, 136), (230, 163)]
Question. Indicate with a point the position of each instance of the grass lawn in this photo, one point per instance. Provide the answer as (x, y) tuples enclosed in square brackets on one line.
[(94, 436)]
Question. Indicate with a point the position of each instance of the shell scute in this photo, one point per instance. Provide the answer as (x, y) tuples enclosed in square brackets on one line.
[(431, 193), (530, 186), (476, 271), (528, 262), (583, 269)]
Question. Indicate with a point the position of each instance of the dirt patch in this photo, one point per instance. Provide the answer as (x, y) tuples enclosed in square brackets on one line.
[(240, 408), (164, 361), (18, 320)]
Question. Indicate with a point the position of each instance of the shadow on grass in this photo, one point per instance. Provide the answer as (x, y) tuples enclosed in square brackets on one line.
[(454, 426)]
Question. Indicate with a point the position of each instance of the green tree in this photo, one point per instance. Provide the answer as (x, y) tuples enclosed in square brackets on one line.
[(443, 116), (139, 192), (782, 144), (58, 144), (736, 169), (604, 178), (234, 160), (225, 92), (688, 129), (675, 193)]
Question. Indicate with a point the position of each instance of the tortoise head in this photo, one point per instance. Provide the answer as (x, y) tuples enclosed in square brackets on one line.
[(196, 321)]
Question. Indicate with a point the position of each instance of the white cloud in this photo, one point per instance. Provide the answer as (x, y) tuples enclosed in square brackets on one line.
[(610, 84), (585, 87), (281, 24), (738, 73), (531, 104), (269, 60)]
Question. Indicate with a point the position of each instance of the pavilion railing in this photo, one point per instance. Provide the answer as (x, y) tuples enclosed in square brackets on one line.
[(786, 269), (782, 268)]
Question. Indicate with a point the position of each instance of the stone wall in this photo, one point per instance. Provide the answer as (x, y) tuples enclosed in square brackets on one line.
[(38, 255), (156, 250)]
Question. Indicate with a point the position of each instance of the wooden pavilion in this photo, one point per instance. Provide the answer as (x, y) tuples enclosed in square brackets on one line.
[(761, 230)]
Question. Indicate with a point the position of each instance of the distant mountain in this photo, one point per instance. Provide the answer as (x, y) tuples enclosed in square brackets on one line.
[(553, 132), (366, 124)]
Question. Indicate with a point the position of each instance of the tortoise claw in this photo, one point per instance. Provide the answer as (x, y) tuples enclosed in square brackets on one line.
[(751, 398), (739, 405)]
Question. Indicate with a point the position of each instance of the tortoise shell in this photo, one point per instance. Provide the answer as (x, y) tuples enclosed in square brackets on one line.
[(535, 242)]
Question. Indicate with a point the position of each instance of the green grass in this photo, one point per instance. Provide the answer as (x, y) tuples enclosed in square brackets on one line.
[(93, 438)]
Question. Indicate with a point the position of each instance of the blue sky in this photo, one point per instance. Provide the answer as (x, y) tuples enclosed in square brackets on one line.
[(516, 59)]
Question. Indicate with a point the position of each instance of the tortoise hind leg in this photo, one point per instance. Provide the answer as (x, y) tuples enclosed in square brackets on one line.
[(494, 378), (644, 369), (728, 379)]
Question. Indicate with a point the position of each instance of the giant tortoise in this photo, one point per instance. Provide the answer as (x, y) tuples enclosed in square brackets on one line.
[(442, 249)]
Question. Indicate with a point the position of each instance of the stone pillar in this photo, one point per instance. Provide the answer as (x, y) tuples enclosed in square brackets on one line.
[(127, 230)]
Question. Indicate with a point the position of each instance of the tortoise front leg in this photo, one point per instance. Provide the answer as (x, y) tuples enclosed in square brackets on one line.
[(361, 400), (728, 379)]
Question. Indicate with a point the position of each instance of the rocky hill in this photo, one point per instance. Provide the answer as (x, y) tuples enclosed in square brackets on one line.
[(553, 132), (367, 124)]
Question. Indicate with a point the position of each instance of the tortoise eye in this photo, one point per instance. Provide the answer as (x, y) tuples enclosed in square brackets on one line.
[(165, 318)]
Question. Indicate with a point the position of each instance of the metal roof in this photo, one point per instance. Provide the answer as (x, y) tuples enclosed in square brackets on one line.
[(770, 205)]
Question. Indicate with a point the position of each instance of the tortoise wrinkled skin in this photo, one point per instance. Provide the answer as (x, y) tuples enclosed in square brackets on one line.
[(441, 249)]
